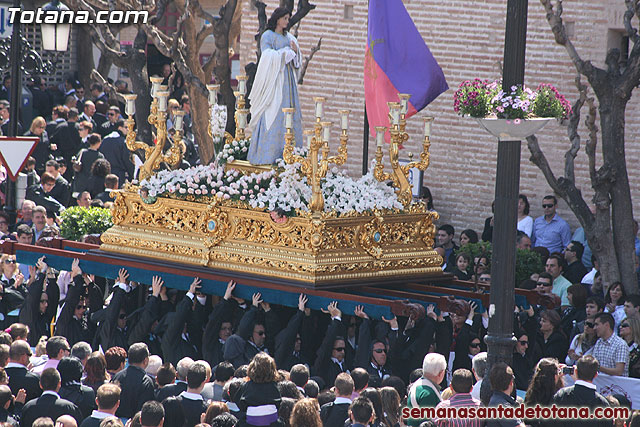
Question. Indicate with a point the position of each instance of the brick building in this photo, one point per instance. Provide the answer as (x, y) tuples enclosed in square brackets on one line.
[(467, 40)]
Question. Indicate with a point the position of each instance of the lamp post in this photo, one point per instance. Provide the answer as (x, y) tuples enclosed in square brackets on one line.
[(500, 339), (54, 37)]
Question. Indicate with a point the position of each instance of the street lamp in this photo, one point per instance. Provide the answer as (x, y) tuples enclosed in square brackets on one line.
[(55, 37)]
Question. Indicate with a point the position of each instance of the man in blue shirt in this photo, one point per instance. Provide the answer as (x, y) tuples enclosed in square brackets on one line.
[(549, 230)]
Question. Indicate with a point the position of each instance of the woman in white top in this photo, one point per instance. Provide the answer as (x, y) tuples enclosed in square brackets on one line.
[(525, 222)]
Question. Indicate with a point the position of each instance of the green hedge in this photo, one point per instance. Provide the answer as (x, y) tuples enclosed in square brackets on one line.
[(78, 221)]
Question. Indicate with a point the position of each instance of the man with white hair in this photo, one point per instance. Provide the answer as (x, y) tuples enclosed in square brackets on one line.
[(182, 369), (425, 391), (479, 369)]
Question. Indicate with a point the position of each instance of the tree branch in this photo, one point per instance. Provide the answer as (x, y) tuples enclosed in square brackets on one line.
[(108, 87), (304, 7), (559, 31), (307, 59), (572, 131), (204, 32), (632, 9)]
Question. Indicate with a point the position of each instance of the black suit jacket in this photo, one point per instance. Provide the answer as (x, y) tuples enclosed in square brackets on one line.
[(48, 405), (580, 395), (334, 415), (81, 395), (137, 388), (192, 410), (170, 390), (21, 378)]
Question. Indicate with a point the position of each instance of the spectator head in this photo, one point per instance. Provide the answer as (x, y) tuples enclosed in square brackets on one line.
[(299, 375), (311, 389), (115, 358), (241, 371), (306, 412), (81, 350), (462, 380), (523, 241), (111, 181), (501, 378), (360, 379), (632, 306), (58, 347), (66, 420), (288, 389), (549, 204), (577, 295), (259, 335), (96, 368), (434, 367), (231, 388), (344, 385), (224, 420), (73, 113), (549, 321), (182, 369), (60, 112), (113, 114), (38, 125), (89, 108), (84, 199), (224, 372), (587, 368), (173, 411), (555, 265), (25, 234), (101, 168), (398, 384), (468, 236), (139, 355), (20, 352), (547, 379), (6, 398), (198, 375), (379, 353), (155, 362), (594, 306), (390, 404), (573, 251), (166, 374), (4, 355), (5, 338), (262, 369), (479, 365), (108, 397), (70, 370), (615, 294), (213, 410), (94, 141), (545, 283), (19, 331), (152, 414), (373, 395), (40, 214), (361, 411), (445, 234), (604, 324), (43, 422), (50, 380), (325, 397), (47, 181), (523, 204), (27, 209)]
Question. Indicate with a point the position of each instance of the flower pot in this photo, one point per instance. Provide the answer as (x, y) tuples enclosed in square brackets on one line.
[(513, 129)]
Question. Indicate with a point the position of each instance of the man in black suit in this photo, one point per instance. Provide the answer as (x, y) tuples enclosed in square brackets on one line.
[(330, 360), (108, 400), (182, 369), (115, 150), (4, 119), (583, 393), (152, 414), (137, 386), (336, 413), (49, 404), (191, 400), (6, 399), (16, 369)]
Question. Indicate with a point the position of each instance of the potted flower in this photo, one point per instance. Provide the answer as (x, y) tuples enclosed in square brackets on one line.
[(513, 114)]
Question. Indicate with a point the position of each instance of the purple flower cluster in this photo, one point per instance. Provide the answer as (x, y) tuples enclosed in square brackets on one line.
[(559, 98), (471, 98)]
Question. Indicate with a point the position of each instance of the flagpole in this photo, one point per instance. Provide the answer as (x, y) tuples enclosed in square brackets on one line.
[(365, 143), (365, 137)]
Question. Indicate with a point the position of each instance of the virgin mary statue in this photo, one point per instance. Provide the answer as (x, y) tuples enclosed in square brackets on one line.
[(274, 88)]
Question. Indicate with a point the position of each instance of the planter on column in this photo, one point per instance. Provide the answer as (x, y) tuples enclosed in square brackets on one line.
[(513, 129)]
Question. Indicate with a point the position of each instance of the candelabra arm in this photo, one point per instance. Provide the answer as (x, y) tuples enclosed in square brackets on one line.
[(341, 158), (130, 139), (155, 156), (378, 169), (287, 154), (423, 163), (173, 157), (401, 182)]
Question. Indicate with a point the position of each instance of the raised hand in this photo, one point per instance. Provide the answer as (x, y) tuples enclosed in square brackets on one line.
[(472, 312), (333, 310), (123, 275), (393, 322), (89, 278), (302, 301), (256, 299), (75, 268), (359, 311), (21, 397), (19, 280), (156, 285), (431, 312), (229, 292), (41, 265), (193, 288)]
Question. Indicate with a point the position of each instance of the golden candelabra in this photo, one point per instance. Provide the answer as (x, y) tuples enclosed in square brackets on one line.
[(153, 155), (312, 166), (400, 173)]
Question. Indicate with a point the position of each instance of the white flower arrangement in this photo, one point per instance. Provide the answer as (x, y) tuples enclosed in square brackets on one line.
[(218, 120), (237, 150), (287, 191)]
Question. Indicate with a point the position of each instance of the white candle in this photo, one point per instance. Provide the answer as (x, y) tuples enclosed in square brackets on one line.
[(326, 131), (309, 134), (162, 100), (130, 107), (427, 126), (394, 111), (404, 102), (242, 118), (213, 94), (178, 117), (344, 119), (318, 100), (155, 85), (380, 131), (242, 84), (288, 117)]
